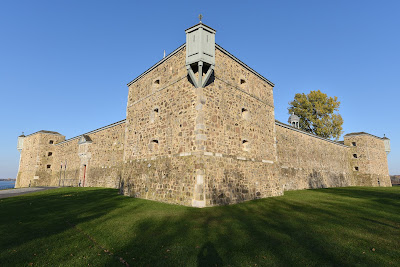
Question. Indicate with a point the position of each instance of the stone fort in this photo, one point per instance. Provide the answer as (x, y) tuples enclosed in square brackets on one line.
[(200, 131)]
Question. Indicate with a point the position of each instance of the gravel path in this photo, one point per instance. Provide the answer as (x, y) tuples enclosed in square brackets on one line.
[(22, 191)]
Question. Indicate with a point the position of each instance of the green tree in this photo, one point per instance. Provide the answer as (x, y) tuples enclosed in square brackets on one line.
[(316, 113)]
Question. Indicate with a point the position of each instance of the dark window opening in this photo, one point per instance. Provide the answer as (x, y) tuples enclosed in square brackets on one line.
[(244, 141), (49, 154), (353, 144), (156, 110), (48, 166), (157, 81), (155, 141), (242, 81), (356, 168), (244, 110), (355, 156), (51, 142)]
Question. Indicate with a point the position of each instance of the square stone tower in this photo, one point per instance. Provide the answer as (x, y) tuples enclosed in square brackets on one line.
[(200, 128)]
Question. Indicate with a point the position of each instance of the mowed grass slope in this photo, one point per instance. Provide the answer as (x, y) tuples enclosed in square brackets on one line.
[(98, 227)]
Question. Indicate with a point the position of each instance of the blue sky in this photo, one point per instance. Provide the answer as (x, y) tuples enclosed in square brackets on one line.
[(64, 65)]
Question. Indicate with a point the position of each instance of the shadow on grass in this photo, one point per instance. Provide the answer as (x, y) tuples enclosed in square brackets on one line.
[(338, 226), (40, 215), (275, 231)]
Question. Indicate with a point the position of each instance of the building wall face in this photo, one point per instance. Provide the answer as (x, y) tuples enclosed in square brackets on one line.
[(36, 163), (159, 134), (201, 146), (197, 128), (367, 154), (66, 154), (235, 127), (160, 117), (102, 157), (309, 162)]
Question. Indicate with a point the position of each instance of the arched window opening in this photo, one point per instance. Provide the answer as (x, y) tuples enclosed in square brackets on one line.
[(245, 114), (246, 145)]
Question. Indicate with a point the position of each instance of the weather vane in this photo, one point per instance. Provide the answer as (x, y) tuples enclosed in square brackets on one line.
[(200, 17)]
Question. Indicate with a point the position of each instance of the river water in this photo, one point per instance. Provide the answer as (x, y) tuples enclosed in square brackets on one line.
[(6, 184)]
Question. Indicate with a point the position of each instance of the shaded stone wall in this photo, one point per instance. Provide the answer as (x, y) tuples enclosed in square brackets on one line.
[(229, 179), (164, 178), (368, 160), (309, 162)]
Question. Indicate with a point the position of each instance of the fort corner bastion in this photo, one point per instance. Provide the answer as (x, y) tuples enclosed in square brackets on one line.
[(200, 131)]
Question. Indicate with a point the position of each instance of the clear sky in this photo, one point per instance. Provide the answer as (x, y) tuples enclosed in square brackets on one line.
[(64, 65)]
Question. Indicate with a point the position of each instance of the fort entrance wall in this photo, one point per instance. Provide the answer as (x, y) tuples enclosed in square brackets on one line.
[(201, 131)]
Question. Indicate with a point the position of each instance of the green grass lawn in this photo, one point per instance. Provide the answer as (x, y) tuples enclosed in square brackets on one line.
[(98, 227)]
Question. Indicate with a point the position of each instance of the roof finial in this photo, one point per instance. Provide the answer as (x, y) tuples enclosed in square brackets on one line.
[(164, 54), (200, 17)]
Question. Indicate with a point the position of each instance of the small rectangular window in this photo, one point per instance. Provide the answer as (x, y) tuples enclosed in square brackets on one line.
[(356, 168), (355, 156), (51, 142), (353, 144), (49, 154), (48, 166)]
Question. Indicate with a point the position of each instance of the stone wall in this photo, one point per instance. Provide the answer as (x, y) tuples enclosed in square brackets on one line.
[(310, 162), (368, 160), (160, 116), (102, 155), (200, 146), (66, 154), (37, 159)]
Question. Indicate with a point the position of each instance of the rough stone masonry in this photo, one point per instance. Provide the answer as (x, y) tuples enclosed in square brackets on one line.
[(200, 131)]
